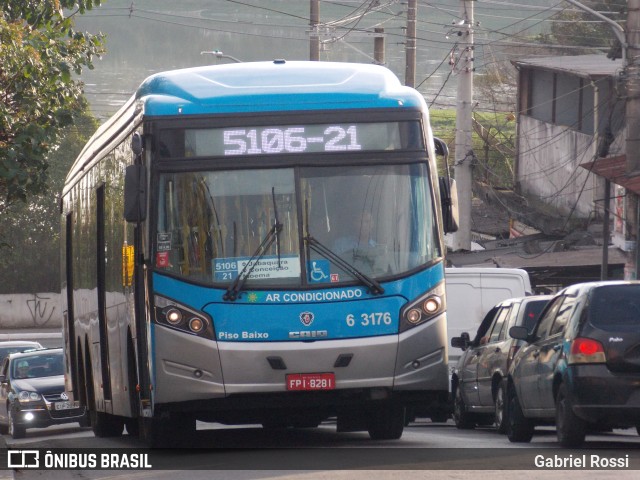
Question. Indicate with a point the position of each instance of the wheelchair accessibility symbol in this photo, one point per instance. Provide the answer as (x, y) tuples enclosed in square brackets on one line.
[(319, 271)]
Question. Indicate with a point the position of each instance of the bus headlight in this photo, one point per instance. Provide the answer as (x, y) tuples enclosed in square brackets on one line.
[(173, 315), (180, 317), (414, 316), (196, 325), (432, 305), (422, 309)]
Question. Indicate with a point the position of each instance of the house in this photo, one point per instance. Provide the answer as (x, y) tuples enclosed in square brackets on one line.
[(569, 114), (570, 142)]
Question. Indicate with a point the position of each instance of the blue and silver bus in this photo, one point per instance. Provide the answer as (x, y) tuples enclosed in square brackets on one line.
[(258, 243)]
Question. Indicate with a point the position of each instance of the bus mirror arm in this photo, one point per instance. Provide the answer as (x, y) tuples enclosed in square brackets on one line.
[(441, 148), (448, 190), (135, 194), (449, 202)]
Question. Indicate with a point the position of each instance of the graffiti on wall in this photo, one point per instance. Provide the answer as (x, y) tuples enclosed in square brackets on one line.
[(41, 309)]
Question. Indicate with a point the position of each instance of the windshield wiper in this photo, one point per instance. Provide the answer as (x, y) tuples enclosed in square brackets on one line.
[(315, 245), (234, 290)]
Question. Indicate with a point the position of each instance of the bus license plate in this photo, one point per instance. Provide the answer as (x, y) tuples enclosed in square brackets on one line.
[(311, 381), (66, 405)]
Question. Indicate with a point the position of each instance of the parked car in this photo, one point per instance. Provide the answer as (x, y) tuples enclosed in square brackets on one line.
[(477, 382), (580, 368), (32, 393), (15, 346)]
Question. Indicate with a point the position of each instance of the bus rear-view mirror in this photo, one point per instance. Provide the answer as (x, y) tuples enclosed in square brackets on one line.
[(135, 186)]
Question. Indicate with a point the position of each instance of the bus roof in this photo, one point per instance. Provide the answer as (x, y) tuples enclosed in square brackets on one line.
[(277, 86), (274, 86)]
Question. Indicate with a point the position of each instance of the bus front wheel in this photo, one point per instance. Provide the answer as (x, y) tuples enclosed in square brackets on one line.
[(165, 432), (106, 425), (387, 422)]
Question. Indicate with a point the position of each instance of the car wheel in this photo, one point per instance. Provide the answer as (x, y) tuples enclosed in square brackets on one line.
[(570, 428), (500, 410), (387, 422), (463, 419), (16, 430), (519, 427)]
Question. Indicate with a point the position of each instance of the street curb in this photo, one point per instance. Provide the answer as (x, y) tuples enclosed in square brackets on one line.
[(5, 474)]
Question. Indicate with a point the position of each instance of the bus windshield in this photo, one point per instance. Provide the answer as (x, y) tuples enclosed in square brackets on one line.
[(216, 225)]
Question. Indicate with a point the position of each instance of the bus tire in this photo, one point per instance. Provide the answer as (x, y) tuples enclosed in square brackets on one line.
[(106, 425), (387, 422), (166, 432), (85, 420), (133, 426), (152, 434)]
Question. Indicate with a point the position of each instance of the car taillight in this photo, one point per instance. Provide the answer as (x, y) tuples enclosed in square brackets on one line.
[(586, 350)]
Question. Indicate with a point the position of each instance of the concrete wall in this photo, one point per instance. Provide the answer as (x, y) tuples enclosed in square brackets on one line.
[(549, 157), (33, 310)]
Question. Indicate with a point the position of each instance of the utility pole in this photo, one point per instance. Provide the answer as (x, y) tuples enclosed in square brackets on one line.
[(410, 45), (632, 146), (463, 166), (378, 46), (314, 35)]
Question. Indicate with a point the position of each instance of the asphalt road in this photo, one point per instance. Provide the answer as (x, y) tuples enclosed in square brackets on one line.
[(426, 450)]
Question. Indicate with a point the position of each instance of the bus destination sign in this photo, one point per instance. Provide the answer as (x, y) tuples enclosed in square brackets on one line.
[(269, 140)]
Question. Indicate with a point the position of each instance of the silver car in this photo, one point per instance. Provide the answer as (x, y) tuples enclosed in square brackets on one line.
[(16, 346), (477, 384)]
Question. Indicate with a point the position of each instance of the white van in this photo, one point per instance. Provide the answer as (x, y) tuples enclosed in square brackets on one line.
[(472, 292)]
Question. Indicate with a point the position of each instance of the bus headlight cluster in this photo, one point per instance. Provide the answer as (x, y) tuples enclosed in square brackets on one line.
[(424, 308), (178, 316)]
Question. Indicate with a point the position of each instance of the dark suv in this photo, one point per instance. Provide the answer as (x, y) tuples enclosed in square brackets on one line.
[(32, 393), (477, 385), (580, 368)]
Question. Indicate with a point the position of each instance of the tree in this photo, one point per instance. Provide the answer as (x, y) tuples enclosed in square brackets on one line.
[(29, 263), (578, 28), (40, 50)]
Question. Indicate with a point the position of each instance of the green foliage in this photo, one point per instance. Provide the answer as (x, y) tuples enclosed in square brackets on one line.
[(494, 152), (39, 52), (579, 28), (29, 258)]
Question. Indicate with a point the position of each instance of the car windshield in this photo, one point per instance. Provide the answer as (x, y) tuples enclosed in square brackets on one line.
[(377, 219), (6, 351), (616, 307), (35, 366)]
